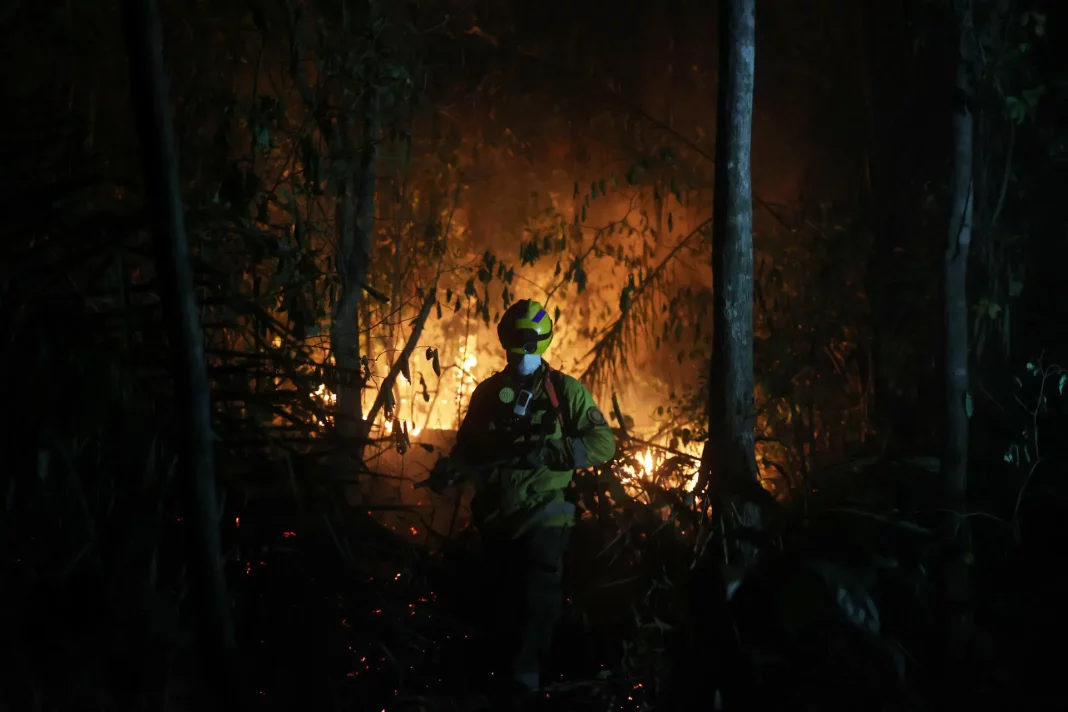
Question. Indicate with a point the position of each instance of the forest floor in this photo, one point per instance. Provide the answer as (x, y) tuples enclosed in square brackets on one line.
[(339, 607), (396, 627)]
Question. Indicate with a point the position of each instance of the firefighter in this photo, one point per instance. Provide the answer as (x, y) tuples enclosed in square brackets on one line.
[(527, 430)]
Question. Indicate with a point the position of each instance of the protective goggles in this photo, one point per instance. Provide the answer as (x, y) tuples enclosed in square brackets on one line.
[(526, 339)]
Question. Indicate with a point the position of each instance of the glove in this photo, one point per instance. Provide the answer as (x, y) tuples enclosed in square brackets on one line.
[(552, 454), (444, 475)]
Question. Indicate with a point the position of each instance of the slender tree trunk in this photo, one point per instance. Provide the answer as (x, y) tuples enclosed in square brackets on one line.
[(729, 463), (355, 223), (191, 385), (959, 236)]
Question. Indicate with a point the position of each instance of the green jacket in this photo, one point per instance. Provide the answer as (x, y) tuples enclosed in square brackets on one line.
[(508, 497)]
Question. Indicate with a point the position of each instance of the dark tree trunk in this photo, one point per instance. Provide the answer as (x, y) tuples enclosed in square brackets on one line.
[(355, 224), (191, 386), (729, 463), (959, 236)]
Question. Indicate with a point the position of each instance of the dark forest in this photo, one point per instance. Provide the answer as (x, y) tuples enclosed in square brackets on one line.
[(806, 257)]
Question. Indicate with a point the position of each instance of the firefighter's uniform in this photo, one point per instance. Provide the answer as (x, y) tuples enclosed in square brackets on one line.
[(524, 436)]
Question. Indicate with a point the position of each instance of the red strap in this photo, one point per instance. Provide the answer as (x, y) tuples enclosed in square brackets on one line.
[(552, 397)]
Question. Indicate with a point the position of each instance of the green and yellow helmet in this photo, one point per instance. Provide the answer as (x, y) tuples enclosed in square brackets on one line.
[(525, 328)]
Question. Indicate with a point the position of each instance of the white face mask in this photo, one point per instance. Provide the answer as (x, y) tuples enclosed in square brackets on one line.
[(529, 364)]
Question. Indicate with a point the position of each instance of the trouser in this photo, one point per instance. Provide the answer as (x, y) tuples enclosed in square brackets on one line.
[(526, 575)]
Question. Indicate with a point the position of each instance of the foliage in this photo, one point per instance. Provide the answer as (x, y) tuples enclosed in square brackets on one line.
[(1028, 454), (95, 613), (813, 351), (1011, 93)]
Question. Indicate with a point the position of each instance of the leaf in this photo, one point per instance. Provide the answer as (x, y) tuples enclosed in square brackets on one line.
[(1031, 96), (469, 288), (436, 364), (405, 370), (1040, 24), (1017, 109), (658, 624), (262, 137), (930, 464), (1061, 383), (528, 253), (580, 279), (969, 406), (425, 390), (429, 353), (1006, 332), (556, 315)]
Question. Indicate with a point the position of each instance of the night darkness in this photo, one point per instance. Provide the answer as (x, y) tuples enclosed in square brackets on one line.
[(255, 254)]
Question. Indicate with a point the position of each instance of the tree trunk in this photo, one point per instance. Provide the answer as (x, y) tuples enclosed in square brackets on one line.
[(959, 235), (191, 386), (729, 463), (355, 224)]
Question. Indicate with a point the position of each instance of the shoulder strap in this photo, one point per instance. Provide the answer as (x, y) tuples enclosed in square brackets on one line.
[(554, 379)]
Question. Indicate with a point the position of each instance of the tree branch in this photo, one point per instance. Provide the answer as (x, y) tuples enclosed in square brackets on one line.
[(405, 356), (608, 346)]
